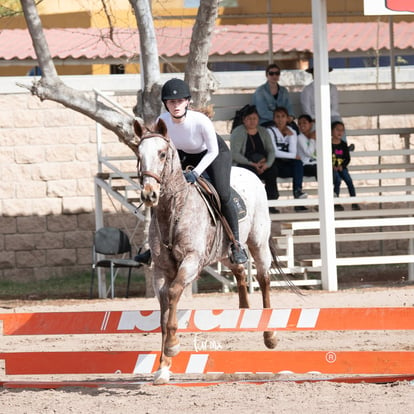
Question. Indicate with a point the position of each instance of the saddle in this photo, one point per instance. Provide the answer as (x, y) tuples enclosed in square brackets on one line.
[(212, 200)]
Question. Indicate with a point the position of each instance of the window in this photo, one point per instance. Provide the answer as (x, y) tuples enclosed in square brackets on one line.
[(117, 69)]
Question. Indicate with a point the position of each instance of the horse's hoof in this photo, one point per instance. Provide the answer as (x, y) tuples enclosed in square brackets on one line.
[(172, 350), (270, 339), (162, 376)]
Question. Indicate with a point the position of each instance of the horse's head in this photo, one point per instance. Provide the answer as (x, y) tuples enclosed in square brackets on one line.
[(153, 150)]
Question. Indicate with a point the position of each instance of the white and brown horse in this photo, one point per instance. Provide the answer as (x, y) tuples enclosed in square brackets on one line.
[(184, 239)]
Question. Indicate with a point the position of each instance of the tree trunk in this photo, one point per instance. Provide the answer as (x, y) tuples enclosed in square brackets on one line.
[(149, 65), (197, 73)]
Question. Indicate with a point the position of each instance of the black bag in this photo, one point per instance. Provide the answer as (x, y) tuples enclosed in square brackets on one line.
[(238, 117)]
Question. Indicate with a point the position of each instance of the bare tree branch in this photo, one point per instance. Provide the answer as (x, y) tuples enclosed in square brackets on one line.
[(109, 18), (52, 88)]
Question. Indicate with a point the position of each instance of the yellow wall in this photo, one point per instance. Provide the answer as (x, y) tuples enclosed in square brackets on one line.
[(89, 13)]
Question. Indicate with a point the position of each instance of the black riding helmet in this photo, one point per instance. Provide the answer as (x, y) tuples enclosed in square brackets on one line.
[(175, 89)]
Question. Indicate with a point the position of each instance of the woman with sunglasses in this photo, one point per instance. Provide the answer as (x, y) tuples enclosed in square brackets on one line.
[(270, 96)]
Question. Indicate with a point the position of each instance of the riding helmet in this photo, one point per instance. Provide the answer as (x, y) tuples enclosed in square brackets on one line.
[(175, 89)]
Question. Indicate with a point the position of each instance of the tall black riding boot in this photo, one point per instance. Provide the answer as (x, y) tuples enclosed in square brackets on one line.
[(238, 254), (144, 257)]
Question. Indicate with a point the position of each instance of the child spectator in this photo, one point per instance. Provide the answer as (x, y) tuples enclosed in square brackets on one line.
[(307, 145), (285, 144), (340, 161)]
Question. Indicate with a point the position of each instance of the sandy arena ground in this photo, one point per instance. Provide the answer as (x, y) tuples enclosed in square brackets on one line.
[(274, 397)]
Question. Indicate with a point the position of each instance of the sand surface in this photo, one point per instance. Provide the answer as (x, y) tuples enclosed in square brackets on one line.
[(273, 397)]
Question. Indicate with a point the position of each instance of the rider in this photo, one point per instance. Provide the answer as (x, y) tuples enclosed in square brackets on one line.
[(198, 145)]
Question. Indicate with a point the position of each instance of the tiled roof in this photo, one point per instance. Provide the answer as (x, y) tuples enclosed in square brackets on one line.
[(94, 43)]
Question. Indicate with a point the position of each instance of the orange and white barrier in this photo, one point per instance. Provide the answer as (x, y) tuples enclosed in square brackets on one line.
[(64, 323), (212, 362), (368, 363)]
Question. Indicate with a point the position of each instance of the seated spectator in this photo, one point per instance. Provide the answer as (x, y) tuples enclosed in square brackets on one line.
[(307, 145), (340, 161), (270, 96), (285, 144), (252, 148), (307, 101)]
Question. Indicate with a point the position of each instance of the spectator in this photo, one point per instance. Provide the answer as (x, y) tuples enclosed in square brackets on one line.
[(307, 101), (270, 96), (307, 145), (285, 143), (252, 148), (340, 162)]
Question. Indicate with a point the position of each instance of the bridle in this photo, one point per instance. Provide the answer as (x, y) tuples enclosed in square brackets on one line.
[(142, 174), (175, 218)]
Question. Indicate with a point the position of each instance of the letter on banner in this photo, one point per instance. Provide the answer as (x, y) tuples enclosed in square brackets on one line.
[(131, 320), (207, 320)]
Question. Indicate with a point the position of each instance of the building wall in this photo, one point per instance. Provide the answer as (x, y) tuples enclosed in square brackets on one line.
[(47, 164)]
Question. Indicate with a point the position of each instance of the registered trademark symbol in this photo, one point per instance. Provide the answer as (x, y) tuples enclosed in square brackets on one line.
[(330, 357)]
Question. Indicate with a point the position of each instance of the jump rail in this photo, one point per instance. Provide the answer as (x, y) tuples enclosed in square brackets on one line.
[(214, 362)]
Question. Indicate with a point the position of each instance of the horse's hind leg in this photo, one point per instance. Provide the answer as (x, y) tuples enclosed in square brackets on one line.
[(263, 279), (269, 337), (239, 272)]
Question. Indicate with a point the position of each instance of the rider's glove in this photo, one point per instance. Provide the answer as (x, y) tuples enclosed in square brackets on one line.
[(191, 176)]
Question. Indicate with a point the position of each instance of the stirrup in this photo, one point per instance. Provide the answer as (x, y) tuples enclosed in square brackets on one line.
[(238, 254), (144, 258)]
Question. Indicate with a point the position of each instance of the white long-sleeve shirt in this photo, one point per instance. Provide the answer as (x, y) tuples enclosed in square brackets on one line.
[(307, 100), (307, 149), (287, 142), (194, 135)]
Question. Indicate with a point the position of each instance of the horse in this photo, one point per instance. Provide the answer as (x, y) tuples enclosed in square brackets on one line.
[(183, 237)]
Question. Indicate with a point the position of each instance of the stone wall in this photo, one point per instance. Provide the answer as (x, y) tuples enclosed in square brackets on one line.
[(48, 160)]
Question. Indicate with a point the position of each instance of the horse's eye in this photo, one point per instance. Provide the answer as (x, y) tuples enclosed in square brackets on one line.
[(163, 154)]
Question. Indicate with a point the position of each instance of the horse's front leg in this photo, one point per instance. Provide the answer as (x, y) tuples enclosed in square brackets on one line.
[(162, 376), (169, 296)]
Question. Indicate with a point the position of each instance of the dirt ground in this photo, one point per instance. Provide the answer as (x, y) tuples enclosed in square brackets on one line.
[(271, 397)]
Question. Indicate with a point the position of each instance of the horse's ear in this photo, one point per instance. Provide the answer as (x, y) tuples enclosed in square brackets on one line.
[(137, 128), (161, 127)]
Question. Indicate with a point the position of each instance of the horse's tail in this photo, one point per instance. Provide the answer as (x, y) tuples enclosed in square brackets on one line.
[(277, 268)]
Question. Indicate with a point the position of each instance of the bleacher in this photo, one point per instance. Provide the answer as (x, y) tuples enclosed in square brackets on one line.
[(383, 179)]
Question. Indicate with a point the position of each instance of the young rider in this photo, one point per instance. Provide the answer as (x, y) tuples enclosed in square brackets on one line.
[(198, 145)]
